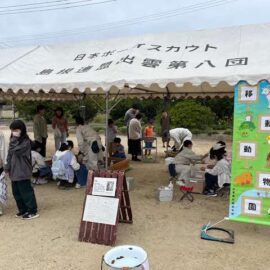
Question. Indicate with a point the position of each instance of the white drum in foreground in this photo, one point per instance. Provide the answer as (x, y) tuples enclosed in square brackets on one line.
[(126, 258)]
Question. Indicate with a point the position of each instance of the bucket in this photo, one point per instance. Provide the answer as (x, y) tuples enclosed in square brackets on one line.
[(125, 258)]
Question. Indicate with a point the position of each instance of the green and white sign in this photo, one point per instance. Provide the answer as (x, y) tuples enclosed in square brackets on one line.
[(250, 182)]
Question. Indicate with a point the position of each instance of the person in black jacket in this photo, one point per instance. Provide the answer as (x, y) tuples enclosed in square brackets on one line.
[(19, 169)]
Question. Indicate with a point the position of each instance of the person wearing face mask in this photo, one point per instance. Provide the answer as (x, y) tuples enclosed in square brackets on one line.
[(19, 168)]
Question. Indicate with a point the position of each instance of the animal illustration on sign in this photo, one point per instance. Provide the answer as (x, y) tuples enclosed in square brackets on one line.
[(244, 179), (266, 92)]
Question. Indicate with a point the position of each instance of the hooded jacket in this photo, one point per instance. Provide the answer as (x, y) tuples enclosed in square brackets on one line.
[(19, 163)]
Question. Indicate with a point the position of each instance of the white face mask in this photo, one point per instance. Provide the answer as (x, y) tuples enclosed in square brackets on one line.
[(16, 133)]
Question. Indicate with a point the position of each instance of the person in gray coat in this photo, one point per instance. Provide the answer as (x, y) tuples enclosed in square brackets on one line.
[(19, 169)]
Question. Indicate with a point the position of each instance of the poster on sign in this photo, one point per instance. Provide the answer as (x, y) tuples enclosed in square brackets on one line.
[(104, 186), (250, 181), (101, 210)]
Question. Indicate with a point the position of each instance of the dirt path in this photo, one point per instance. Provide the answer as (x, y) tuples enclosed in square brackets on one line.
[(169, 232)]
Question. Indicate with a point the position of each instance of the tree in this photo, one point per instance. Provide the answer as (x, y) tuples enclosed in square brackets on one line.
[(150, 108), (27, 109), (192, 115)]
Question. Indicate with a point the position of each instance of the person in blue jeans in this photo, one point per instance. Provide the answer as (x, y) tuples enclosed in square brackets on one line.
[(118, 149)]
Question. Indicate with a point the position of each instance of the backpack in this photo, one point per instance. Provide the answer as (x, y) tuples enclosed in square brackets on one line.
[(58, 169)]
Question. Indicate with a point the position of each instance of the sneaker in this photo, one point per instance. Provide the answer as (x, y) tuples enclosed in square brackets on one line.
[(211, 193), (20, 215), (29, 216), (41, 181), (78, 186)]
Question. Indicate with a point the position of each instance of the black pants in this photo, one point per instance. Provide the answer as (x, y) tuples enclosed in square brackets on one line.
[(135, 147), (24, 196), (211, 182), (172, 170), (42, 146)]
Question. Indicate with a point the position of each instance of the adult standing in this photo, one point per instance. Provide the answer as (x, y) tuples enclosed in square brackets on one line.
[(60, 127), (165, 123), (135, 135), (179, 135), (89, 143), (130, 114), (40, 129)]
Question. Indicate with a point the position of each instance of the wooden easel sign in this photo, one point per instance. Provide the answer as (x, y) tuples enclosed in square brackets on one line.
[(106, 203)]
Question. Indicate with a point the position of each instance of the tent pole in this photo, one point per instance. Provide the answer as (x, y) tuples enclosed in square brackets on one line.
[(106, 133), (13, 109)]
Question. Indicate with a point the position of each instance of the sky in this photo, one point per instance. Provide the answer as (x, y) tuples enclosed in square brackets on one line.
[(38, 22)]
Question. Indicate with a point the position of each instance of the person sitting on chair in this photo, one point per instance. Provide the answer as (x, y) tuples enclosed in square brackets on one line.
[(220, 174), (182, 162), (40, 169), (118, 149)]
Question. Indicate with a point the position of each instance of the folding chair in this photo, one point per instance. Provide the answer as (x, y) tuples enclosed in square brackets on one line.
[(186, 191), (146, 140)]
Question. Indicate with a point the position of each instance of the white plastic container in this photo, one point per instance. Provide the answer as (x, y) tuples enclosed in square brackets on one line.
[(165, 194), (125, 257)]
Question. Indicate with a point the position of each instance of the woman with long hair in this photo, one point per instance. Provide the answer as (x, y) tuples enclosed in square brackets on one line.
[(19, 169)]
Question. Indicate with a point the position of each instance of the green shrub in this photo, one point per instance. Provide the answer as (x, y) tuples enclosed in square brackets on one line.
[(196, 131), (119, 122), (100, 118), (189, 114), (27, 109), (122, 130)]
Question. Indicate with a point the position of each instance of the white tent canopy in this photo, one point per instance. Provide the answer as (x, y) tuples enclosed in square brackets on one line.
[(189, 63)]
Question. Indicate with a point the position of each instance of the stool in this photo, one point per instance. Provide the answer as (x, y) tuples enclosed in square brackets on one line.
[(186, 193)]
